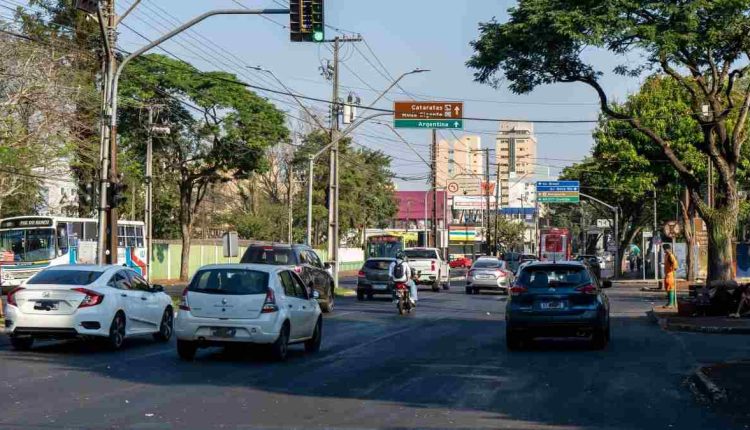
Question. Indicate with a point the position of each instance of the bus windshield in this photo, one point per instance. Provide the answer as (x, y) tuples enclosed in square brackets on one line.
[(27, 245)]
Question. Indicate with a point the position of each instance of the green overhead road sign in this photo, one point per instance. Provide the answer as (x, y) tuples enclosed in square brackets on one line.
[(433, 115), (422, 123)]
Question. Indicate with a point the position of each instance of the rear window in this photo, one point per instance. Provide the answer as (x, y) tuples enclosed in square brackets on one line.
[(229, 282), (553, 276), (377, 264), (65, 277), (270, 255), (420, 253), (489, 264)]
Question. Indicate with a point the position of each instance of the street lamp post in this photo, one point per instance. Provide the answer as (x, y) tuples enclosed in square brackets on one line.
[(617, 230), (112, 85)]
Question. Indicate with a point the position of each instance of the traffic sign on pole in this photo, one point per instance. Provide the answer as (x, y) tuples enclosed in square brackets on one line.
[(443, 115), (558, 191)]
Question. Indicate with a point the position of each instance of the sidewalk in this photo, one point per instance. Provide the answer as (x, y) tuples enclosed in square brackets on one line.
[(724, 385), (668, 319)]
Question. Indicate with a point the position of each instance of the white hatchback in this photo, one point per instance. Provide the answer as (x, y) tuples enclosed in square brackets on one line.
[(248, 303), (73, 301)]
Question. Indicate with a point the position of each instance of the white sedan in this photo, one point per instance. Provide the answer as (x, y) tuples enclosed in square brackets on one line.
[(74, 301), (248, 303)]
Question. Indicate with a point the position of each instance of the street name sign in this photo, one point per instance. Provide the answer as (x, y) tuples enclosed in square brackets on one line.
[(432, 115), (558, 191)]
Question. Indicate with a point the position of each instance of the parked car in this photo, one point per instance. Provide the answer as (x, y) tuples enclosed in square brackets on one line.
[(248, 303), (314, 273), (432, 269), (74, 301), (373, 278), (460, 263), (594, 262), (561, 299), (488, 274)]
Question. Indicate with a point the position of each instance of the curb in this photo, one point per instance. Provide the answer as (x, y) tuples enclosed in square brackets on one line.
[(704, 388), (665, 324)]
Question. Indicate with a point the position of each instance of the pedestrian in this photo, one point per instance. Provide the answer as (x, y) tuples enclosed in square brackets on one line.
[(670, 268)]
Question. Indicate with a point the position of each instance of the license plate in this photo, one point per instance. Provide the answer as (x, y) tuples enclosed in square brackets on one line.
[(223, 332), (484, 276), (45, 306), (379, 287), (553, 305)]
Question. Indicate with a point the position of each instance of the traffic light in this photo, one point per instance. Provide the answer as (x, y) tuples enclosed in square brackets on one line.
[(117, 194), (306, 21), (88, 193)]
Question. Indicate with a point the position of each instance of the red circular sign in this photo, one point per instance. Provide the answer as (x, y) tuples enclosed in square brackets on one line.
[(453, 187)]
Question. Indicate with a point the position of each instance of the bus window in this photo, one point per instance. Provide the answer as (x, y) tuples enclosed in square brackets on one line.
[(139, 236), (130, 236), (76, 230), (62, 238), (90, 231), (121, 236)]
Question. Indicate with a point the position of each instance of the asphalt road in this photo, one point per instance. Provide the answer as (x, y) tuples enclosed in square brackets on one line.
[(445, 366)]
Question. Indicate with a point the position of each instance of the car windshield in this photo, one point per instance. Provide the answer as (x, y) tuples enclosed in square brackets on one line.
[(378, 264), (65, 277), (421, 253), (229, 282), (27, 245), (269, 255), (553, 276), (489, 264)]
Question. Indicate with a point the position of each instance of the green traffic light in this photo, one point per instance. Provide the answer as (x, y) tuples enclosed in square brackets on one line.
[(318, 36)]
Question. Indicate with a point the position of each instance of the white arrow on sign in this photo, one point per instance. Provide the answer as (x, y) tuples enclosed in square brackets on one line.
[(456, 124), (457, 109)]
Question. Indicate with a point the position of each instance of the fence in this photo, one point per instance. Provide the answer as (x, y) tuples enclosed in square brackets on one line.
[(165, 261)]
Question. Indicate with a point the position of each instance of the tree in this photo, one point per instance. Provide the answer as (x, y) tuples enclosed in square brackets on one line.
[(224, 140), (701, 44), (510, 233)]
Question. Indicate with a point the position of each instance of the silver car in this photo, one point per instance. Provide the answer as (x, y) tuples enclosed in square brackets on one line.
[(489, 274)]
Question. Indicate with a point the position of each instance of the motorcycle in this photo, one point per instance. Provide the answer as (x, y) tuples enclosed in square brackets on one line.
[(402, 298)]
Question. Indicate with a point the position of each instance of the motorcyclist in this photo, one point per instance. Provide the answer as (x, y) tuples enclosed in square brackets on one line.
[(406, 277)]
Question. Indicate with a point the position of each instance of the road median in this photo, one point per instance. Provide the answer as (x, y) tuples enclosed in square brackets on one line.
[(668, 319)]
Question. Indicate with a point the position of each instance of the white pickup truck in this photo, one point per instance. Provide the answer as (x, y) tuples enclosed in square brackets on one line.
[(432, 269)]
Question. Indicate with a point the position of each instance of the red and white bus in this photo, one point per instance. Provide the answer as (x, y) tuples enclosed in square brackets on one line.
[(554, 244)]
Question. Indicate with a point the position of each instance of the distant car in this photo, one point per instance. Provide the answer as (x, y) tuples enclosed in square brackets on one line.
[(524, 264), (461, 263), (314, 273), (594, 262), (488, 274), (248, 303), (562, 299), (87, 301), (373, 278)]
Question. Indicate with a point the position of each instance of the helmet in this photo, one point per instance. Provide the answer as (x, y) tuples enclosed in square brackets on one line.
[(400, 256)]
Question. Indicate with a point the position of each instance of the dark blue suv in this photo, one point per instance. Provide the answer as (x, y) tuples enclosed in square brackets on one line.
[(562, 299)]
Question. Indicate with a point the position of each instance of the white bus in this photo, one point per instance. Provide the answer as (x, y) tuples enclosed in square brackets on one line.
[(28, 244)]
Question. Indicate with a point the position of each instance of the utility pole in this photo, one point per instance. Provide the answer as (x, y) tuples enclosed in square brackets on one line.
[(487, 195), (333, 175), (434, 188), (149, 190), (656, 253), (497, 207), (289, 194)]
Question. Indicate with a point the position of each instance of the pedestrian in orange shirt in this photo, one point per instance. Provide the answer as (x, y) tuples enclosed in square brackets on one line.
[(670, 268)]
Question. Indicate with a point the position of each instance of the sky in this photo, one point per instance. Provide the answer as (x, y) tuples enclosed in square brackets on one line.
[(399, 34)]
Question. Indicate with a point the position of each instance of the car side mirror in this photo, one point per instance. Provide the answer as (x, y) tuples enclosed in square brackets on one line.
[(157, 288), (607, 284), (327, 265), (315, 295)]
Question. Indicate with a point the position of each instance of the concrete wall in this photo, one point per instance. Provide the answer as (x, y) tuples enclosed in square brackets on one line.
[(165, 263)]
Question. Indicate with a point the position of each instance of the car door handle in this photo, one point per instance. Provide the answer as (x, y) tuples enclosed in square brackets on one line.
[(144, 298), (291, 306), (123, 295)]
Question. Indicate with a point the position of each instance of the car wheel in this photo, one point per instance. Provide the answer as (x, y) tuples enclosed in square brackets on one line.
[(476, 290), (360, 295), (370, 296), (280, 348), (513, 341), (436, 286), (469, 290), (21, 343), (313, 345), (166, 328), (600, 338), (116, 332), (186, 349), (327, 306)]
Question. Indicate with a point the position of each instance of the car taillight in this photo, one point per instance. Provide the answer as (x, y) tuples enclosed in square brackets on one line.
[(92, 297), (517, 290), (499, 273), (361, 274), (12, 296), (433, 265), (269, 306), (298, 269), (184, 306), (587, 289)]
